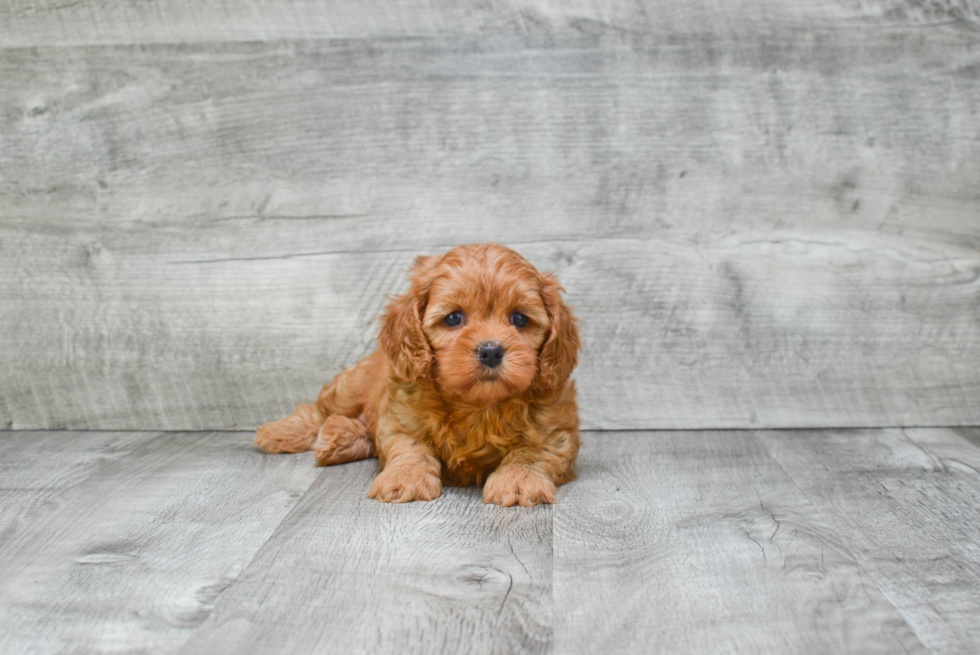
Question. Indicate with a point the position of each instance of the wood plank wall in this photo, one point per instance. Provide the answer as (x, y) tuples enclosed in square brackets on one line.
[(767, 214)]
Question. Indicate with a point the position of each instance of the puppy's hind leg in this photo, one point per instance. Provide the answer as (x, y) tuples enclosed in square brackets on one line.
[(293, 434), (346, 396), (342, 440)]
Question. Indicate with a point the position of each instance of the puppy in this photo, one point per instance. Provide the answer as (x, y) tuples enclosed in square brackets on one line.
[(469, 384)]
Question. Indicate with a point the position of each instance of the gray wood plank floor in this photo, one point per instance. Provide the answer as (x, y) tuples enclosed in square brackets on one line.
[(689, 542)]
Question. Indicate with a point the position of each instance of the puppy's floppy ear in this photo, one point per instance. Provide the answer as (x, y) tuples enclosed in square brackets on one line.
[(559, 353), (401, 335)]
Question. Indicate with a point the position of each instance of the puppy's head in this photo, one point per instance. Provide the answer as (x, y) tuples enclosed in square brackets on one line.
[(482, 324)]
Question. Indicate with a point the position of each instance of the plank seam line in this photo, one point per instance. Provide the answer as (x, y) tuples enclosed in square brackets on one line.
[(586, 430), (866, 578), (438, 247)]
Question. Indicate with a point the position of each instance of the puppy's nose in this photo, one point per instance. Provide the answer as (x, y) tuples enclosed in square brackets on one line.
[(490, 353)]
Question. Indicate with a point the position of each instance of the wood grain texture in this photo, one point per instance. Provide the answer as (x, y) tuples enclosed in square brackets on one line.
[(36, 468), (699, 542), (970, 434), (26, 23), (347, 574), (682, 542), (755, 233), (131, 558), (907, 505)]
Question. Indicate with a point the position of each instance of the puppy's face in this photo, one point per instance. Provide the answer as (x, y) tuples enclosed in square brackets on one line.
[(482, 324), (485, 322)]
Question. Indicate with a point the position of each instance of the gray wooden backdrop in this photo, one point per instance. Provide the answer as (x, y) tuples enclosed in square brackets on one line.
[(766, 212)]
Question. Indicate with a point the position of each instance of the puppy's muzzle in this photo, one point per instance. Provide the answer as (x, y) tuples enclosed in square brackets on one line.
[(490, 354)]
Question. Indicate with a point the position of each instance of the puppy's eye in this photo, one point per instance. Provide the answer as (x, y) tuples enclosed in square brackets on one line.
[(518, 320), (454, 319)]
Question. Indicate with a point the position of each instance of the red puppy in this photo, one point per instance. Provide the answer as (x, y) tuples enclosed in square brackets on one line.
[(470, 383)]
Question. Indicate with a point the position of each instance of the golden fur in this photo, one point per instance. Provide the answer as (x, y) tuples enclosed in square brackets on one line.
[(427, 407)]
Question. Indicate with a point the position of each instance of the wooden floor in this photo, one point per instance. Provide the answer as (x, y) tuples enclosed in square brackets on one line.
[(683, 542)]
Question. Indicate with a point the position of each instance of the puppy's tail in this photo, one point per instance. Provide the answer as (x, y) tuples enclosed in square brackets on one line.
[(293, 434)]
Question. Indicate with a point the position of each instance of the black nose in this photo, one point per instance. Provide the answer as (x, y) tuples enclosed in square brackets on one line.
[(490, 353)]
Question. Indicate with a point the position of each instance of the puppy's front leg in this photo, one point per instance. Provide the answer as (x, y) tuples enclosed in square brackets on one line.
[(528, 475), (410, 471)]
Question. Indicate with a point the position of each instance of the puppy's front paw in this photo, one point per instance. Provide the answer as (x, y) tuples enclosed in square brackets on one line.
[(403, 485), (513, 485)]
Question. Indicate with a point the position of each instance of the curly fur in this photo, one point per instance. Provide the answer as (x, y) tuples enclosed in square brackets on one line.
[(431, 412)]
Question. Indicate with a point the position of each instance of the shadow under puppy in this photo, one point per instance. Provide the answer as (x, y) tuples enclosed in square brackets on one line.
[(470, 383)]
